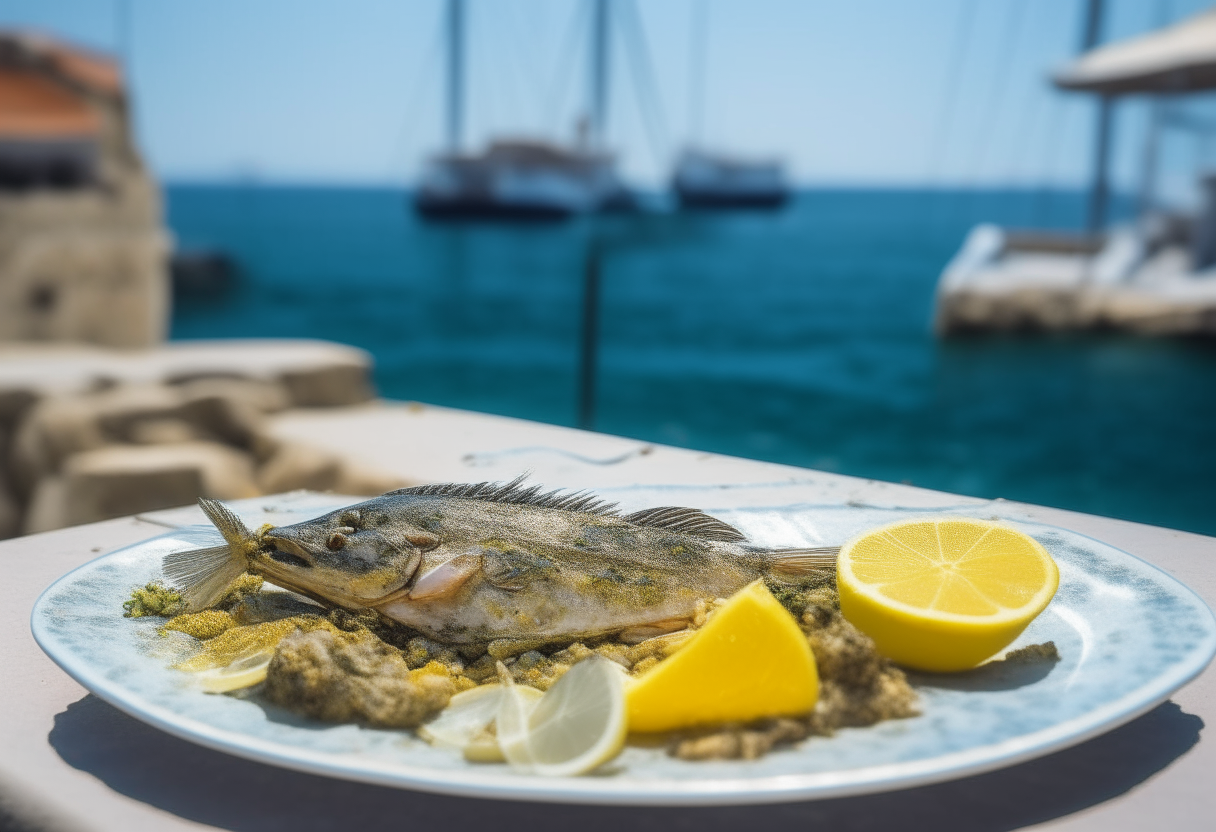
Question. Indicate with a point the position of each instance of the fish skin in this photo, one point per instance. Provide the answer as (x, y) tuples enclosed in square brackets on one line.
[(488, 570)]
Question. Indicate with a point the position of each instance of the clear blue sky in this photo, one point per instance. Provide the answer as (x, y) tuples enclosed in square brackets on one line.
[(857, 92)]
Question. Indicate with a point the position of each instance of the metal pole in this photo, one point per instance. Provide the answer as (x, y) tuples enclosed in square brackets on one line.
[(1090, 34), (1092, 28), (455, 102), (599, 69), (122, 40), (1152, 140), (591, 335), (1101, 183), (1148, 163)]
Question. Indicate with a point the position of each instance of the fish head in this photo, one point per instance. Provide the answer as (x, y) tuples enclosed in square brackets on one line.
[(353, 557)]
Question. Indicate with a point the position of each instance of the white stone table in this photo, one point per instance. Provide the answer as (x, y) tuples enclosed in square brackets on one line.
[(69, 761)]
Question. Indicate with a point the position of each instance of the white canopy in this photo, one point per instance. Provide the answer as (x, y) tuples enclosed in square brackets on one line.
[(1178, 58)]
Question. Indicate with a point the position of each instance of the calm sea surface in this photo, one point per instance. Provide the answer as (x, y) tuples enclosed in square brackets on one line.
[(800, 337)]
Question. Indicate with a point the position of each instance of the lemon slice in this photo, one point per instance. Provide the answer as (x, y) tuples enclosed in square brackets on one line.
[(469, 714), (242, 672), (750, 661), (577, 725), (511, 722), (944, 595)]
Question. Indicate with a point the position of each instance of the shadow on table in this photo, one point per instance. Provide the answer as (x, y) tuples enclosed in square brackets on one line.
[(214, 788)]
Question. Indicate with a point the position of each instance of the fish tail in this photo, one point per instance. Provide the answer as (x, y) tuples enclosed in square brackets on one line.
[(229, 525), (797, 564), (202, 575)]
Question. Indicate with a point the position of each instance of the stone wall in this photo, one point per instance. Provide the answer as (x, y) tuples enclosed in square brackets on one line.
[(88, 263), (90, 435)]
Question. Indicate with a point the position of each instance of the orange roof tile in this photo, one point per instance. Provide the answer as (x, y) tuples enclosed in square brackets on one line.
[(85, 68), (33, 106)]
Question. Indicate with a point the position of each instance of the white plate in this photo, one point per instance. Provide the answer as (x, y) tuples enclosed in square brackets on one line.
[(1129, 635)]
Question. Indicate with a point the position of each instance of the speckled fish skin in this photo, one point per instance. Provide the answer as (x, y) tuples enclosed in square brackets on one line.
[(471, 570)]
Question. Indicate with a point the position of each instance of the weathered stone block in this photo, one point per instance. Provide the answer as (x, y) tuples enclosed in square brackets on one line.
[(97, 285), (335, 385), (118, 480), (295, 465)]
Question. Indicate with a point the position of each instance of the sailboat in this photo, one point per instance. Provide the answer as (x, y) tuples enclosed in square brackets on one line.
[(522, 178), (1155, 277), (705, 179), (708, 180)]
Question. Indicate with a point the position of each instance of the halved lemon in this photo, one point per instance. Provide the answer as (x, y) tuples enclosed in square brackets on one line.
[(577, 725), (946, 594), (749, 661)]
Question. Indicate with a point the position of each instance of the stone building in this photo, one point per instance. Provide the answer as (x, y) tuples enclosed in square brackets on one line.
[(83, 253)]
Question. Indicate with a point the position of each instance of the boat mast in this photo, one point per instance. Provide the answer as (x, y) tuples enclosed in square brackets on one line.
[(598, 72), (455, 75), (1100, 188), (696, 72)]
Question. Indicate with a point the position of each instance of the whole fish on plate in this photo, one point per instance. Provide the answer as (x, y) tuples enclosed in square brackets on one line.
[(474, 563)]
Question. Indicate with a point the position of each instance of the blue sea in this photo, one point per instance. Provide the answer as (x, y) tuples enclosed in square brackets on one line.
[(801, 336)]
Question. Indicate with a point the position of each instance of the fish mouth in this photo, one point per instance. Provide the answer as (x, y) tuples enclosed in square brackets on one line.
[(290, 565), (285, 550), (287, 558)]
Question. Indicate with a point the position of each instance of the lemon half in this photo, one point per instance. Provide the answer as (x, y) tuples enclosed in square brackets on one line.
[(944, 595)]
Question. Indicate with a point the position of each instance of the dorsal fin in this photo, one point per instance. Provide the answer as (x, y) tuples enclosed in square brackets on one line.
[(516, 493), (690, 521), (687, 520)]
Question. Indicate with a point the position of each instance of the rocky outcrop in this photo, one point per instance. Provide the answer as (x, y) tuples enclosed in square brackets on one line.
[(89, 435)]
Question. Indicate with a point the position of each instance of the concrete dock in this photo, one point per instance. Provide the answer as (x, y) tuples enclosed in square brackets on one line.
[(1009, 281)]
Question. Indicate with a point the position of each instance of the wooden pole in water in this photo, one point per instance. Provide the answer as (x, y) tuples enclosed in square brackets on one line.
[(588, 353)]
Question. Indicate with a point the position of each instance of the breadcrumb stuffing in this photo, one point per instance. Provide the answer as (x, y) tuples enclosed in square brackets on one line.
[(245, 586), (153, 599), (239, 642), (345, 677), (202, 625), (340, 666)]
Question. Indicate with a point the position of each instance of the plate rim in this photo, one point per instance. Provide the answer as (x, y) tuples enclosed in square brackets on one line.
[(710, 791)]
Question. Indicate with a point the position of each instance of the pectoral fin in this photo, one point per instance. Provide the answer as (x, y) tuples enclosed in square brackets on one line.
[(636, 635), (446, 578)]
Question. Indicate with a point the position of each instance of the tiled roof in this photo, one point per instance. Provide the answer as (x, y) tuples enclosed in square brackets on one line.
[(33, 106)]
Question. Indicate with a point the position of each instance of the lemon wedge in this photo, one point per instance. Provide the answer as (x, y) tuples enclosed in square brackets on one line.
[(577, 725), (944, 595), (749, 661), (470, 713), (242, 672)]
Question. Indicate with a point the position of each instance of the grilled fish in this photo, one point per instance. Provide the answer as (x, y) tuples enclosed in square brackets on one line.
[(475, 563)]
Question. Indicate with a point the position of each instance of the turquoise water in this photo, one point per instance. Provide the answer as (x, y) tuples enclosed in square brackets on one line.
[(800, 337)]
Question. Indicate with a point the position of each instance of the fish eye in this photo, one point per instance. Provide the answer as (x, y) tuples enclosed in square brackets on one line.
[(350, 518), (336, 541)]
